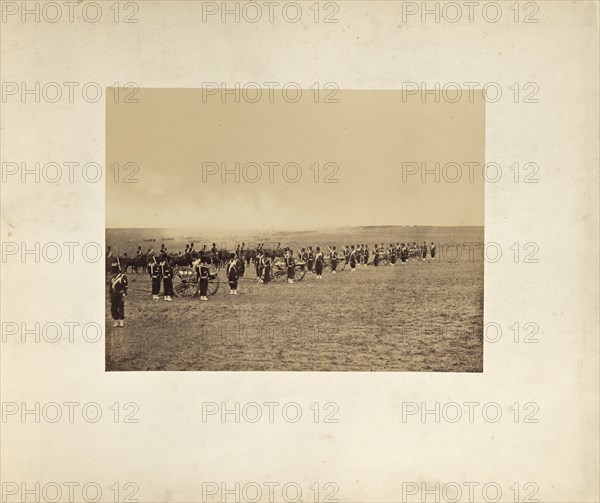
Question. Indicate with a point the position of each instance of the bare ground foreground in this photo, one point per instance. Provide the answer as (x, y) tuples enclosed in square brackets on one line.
[(412, 317)]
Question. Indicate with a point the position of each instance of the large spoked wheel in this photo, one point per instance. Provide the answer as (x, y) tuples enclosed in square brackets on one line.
[(186, 290), (299, 272), (213, 283), (185, 282), (341, 265), (279, 271)]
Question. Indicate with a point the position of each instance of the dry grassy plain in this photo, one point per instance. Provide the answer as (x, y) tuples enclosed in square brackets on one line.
[(412, 317)]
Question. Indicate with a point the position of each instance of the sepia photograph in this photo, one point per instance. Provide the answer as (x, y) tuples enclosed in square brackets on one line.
[(294, 230), (337, 251)]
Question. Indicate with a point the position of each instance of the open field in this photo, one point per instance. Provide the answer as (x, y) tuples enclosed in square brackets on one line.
[(412, 317)]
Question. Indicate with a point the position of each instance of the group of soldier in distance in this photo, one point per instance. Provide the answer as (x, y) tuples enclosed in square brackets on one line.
[(199, 268)]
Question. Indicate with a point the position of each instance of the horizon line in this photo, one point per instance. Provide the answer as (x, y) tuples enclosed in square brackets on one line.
[(291, 230)]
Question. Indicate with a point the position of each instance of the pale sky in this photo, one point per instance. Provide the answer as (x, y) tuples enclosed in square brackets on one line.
[(173, 133)]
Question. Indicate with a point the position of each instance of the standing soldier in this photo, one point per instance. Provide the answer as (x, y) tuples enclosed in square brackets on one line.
[(266, 268), (259, 263), (403, 253), (196, 266), (346, 254), (432, 250), (352, 259), (204, 275), (333, 259), (392, 252), (118, 290), (319, 263), (310, 259), (232, 274), (214, 255), (424, 251), (154, 271), (302, 256), (290, 264), (240, 263), (166, 272)]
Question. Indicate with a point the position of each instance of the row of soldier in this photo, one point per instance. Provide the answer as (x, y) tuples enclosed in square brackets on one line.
[(361, 254), (161, 266), (312, 259)]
